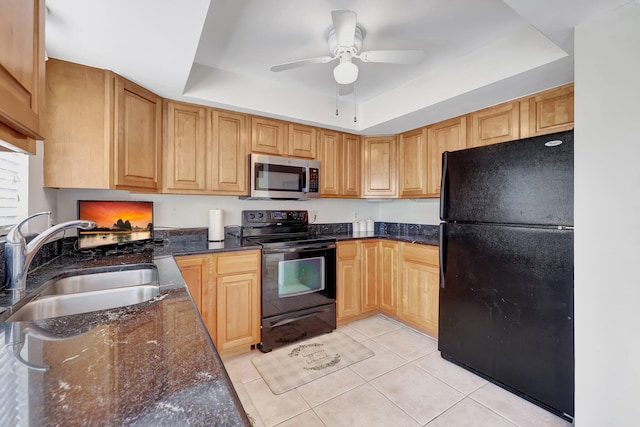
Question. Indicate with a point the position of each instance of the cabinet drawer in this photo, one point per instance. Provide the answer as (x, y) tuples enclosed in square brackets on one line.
[(347, 250), (421, 253), (237, 262)]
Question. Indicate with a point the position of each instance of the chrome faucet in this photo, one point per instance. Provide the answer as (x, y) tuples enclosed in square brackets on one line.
[(18, 255)]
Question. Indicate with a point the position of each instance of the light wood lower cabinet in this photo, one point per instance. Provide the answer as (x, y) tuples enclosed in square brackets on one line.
[(419, 286), (370, 275), (348, 299), (226, 289), (238, 306), (388, 276), (396, 278)]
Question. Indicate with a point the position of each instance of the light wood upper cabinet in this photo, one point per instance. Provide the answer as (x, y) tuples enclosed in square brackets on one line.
[(449, 135), (548, 112), (138, 137), (303, 141), (370, 275), (500, 123), (420, 286), (103, 132), (268, 136), (348, 283), (22, 71), (339, 155), (380, 176), (388, 276), (205, 150), (413, 163), (185, 148), (351, 166), (329, 154), (229, 162)]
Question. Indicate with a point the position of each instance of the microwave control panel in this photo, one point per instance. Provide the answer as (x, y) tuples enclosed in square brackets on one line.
[(314, 180)]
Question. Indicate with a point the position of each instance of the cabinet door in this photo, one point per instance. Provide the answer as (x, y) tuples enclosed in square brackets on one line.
[(350, 166), (238, 301), (370, 275), (76, 121), (238, 307), (380, 166), (138, 137), (268, 136), (196, 271), (412, 176), (449, 135), (496, 124), (21, 71), (348, 284), (229, 161), (185, 148), (388, 265), (303, 141), (420, 287), (550, 111), (330, 160)]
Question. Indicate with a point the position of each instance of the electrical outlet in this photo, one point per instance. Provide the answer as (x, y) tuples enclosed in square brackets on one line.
[(355, 215)]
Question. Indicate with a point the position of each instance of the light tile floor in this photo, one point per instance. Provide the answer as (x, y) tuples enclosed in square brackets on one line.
[(406, 383)]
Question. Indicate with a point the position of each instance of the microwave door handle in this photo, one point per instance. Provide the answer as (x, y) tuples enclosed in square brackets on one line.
[(305, 171)]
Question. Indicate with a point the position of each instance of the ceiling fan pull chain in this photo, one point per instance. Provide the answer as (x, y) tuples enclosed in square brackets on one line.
[(337, 94), (355, 105)]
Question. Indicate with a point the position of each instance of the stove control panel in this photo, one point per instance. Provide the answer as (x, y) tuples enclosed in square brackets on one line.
[(263, 217)]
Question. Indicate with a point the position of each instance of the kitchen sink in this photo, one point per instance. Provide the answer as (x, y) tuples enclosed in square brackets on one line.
[(102, 280), (86, 292)]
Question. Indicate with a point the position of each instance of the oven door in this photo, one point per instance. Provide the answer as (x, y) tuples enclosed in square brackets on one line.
[(297, 278)]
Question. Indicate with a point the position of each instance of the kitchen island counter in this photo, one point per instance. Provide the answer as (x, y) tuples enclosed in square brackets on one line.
[(151, 363)]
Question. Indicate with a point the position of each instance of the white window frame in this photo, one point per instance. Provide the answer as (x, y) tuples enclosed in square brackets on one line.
[(14, 189)]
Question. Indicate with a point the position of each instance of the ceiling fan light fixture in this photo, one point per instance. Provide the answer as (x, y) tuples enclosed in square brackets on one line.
[(346, 72)]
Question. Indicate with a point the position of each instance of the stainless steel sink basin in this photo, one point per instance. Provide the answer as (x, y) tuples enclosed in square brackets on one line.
[(102, 280), (84, 293)]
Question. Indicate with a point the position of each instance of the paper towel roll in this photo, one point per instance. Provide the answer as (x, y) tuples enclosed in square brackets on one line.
[(216, 225)]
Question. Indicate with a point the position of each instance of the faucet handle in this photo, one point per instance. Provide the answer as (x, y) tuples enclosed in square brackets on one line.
[(15, 234)]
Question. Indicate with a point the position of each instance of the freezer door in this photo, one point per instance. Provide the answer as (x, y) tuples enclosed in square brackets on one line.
[(506, 308), (518, 182)]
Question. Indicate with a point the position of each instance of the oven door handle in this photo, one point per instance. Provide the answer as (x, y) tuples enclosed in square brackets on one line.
[(295, 319), (306, 247)]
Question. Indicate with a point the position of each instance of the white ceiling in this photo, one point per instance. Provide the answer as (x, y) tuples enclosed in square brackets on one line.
[(218, 52)]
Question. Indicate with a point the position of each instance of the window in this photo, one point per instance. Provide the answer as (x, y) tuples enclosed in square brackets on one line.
[(14, 188)]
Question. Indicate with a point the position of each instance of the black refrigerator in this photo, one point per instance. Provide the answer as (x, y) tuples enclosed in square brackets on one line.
[(506, 285)]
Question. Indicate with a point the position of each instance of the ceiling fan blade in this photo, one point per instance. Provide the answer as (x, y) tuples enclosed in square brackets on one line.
[(392, 56), (302, 63), (345, 89), (344, 24)]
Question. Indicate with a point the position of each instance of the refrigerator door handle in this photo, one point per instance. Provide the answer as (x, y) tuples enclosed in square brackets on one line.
[(444, 184), (442, 253)]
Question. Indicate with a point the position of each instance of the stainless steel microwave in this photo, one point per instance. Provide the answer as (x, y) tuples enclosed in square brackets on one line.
[(275, 177)]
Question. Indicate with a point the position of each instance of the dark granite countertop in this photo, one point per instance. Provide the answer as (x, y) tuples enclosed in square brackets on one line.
[(146, 364)]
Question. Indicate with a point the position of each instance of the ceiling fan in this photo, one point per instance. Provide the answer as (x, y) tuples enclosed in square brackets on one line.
[(345, 42)]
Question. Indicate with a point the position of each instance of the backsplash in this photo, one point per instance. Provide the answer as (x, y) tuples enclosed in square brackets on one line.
[(67, 245)]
